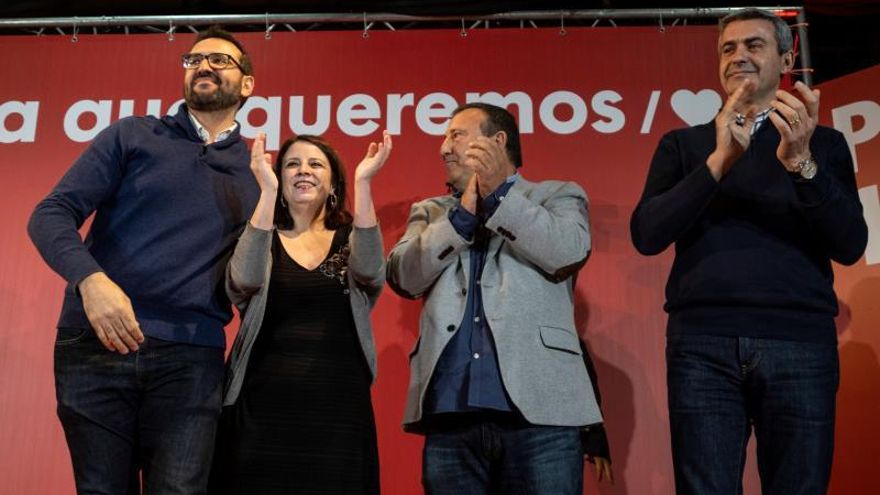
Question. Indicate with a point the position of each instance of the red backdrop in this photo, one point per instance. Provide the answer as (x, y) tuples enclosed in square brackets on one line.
[(592, 105)]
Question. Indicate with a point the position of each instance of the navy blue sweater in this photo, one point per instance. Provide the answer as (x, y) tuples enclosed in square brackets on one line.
[(168, 210), (752, 251)]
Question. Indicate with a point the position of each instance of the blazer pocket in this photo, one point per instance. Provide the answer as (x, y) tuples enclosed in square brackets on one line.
[(560, 339)]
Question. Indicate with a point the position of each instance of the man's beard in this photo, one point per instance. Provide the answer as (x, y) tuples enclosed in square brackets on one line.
[(219, 99)]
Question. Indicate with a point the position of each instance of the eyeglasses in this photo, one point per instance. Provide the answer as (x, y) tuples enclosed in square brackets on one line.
[(217, 61)]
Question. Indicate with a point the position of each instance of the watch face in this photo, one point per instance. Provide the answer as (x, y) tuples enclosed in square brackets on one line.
[(809, 169)]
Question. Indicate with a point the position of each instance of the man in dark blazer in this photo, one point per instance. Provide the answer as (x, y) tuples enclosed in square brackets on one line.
[(498, 384)]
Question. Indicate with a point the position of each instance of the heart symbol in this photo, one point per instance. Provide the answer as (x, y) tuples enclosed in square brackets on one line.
[(696, 108)]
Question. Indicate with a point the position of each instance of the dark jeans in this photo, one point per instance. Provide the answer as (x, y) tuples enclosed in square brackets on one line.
[(148, 416), (495, 457), (720, 388)]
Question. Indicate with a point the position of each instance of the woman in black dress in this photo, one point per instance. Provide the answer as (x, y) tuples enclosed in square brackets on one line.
[(297, 414)]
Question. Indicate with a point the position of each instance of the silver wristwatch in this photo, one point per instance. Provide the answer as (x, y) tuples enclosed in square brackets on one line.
[(807, 168)]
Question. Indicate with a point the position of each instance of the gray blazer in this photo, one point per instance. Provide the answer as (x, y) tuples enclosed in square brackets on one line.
[(247, 281), (539, 239)]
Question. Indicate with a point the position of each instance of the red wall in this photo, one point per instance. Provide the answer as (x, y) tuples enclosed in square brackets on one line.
[(607, 96)]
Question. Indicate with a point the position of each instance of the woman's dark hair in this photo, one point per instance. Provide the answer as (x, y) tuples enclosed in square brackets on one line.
[(335, 213)]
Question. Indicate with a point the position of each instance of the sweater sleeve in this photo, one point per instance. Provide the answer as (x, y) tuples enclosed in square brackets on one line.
[(246, 270), (831, 203), (92, 180), (672, 200), (367, 262)]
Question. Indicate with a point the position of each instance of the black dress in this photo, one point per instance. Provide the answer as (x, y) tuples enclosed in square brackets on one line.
[(304, 420)]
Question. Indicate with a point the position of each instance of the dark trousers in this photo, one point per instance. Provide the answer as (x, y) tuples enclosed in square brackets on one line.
[(503, 457), (141, 421), (722, 388)]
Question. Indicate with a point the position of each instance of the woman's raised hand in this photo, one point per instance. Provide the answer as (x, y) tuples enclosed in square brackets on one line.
[(377, 154), (261, 165)]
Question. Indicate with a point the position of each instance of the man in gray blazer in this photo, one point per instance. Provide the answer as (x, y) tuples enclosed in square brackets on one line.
[(498, 384)]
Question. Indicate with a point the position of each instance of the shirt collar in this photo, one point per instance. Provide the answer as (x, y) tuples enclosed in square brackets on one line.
[(204, 135), (759, 119)]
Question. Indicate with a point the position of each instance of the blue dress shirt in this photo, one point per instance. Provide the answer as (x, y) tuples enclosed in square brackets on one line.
[(467, 377)]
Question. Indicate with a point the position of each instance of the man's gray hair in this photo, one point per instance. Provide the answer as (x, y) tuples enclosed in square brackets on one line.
[(784, 40)]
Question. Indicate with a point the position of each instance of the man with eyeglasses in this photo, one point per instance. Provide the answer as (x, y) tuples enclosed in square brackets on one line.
[(139, 351)]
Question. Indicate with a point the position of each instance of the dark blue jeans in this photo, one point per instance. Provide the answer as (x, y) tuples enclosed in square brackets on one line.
[(146, 417), (720, 388), (492, 457)]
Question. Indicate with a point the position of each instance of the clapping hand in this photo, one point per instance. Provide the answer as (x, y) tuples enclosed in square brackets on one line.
[(488, 159), (733, 128), (796, 120), (261, 165), (377, 154)]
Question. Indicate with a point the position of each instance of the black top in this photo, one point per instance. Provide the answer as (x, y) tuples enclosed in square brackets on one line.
[(752, 251), (304, 421)]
